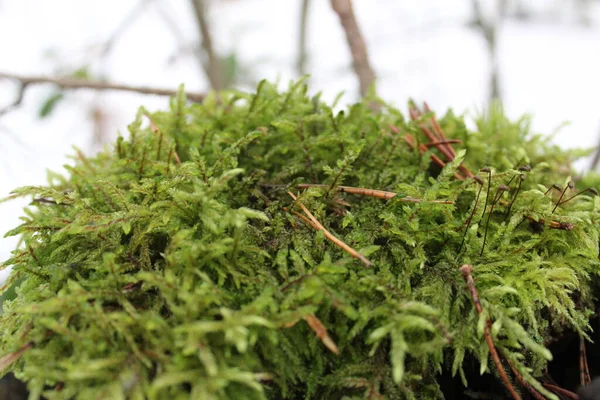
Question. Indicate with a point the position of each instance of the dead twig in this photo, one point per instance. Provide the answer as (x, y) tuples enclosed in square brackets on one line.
[(584, 370), (437, 136), (466, 271), (7, 360), (441, 142), (321, 331), (522, 380), (317, 225), (356, 42), (18, 100), (380, 194), (561, 391), (212, 66), (302, 53), (423, 149), (68, 83), (437, 129)]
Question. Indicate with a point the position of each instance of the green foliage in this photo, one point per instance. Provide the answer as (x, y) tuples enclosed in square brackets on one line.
[(174, 266)]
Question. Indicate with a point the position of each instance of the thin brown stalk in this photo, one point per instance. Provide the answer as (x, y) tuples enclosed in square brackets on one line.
[(423, 149), (584, 371), (321, 331), (330, 236), (7, 360), (303, 218), (523, 382), (561, 391), (441, 142), (466, 271), (380, 194), (439, 137), (437, 128), (356, 42)]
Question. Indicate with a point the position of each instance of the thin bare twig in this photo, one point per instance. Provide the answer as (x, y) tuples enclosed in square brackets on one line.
[(437, 129), (212, 67), (356, 42), (584, 370), (561, 391), (437, 136), (321, 331), (380, 194), (423, 149), (10, 358), (302, 53), (522, 380), (329, 235), (466, 271), (73, 83), (18, 100)]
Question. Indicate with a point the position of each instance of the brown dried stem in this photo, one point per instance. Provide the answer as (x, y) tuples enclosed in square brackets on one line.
[(317, 225), (561, 391), (438, 137), (466, 271), (74, 83), (423, 149), (523, 382), (437, 129), (584, 371), (380, 194), (321, 331), (7, 360), (356, 42)]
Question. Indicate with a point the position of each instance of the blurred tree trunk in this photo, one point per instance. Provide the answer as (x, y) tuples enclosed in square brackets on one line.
[(208, 58)]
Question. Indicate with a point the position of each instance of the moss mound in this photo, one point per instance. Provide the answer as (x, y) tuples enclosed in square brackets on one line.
[(178, 266)]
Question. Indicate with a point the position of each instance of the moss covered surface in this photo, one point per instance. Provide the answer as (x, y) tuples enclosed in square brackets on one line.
[(177, 265)]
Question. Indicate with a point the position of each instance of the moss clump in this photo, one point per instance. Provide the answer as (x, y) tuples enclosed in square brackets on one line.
[(177, 266)]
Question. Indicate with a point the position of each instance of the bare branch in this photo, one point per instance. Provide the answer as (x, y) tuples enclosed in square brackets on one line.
[(356, 42), (302, 53), (212, 67), (18, 100), (73, 83)]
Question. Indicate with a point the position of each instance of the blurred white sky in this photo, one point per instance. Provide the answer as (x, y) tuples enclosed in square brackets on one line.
[(420, 49)]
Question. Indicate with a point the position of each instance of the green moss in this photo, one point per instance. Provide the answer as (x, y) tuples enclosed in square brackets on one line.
[(174, 266)]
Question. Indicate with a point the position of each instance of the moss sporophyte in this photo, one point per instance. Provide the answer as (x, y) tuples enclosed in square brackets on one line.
[(265, 246)]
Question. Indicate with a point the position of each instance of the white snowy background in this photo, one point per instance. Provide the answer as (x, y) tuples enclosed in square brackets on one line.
[(424, 49)]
